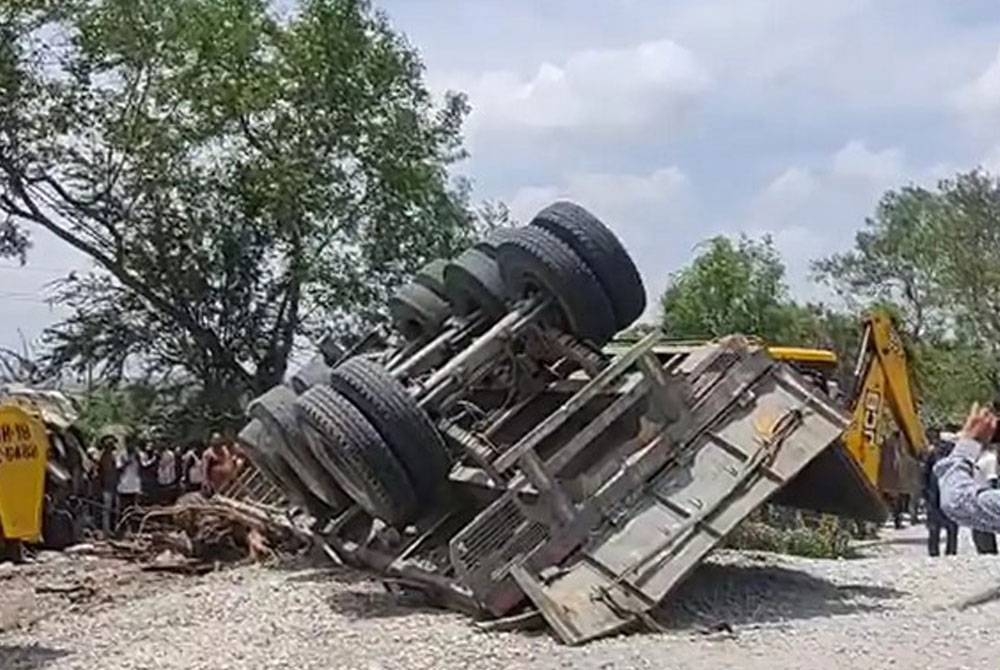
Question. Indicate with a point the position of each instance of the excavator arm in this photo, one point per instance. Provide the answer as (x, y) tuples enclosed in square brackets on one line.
[(882, 385)]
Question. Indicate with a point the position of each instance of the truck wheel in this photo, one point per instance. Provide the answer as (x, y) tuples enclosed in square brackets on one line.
[(431, 276), (355, 454), (602, 252), (417, 312), (533, 261), (315, 371), (399, 420), (472, 281), (276, 411), (488, 245), (258, 443)]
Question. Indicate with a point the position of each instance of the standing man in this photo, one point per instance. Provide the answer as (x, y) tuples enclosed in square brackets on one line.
[(167, 475), (219, 464), (129, 480), (964, 501), (148, 460), (986, 478), (107, 476), (936, 519), (192, 468)]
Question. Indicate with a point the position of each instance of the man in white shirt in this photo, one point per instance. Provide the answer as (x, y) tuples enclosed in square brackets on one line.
[(129, 482), (166, 476), (985, 475), (193, 468)]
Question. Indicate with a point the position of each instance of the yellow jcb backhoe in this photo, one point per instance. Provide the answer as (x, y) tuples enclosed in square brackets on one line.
[(883, 385), (882, 389)]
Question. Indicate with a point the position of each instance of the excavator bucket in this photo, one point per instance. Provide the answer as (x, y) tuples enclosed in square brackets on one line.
[(23, 455), (834, 483)]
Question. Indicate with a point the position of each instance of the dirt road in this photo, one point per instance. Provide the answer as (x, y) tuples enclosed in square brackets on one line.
[(893, 608)]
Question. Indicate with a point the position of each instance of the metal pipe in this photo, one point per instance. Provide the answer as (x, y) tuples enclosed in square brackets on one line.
[(458, 330), (483, 350), (402, 364)]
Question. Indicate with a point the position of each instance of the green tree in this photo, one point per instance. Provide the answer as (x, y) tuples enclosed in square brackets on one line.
[(894, 261), (241, 180), (936, 254), (732, 286)]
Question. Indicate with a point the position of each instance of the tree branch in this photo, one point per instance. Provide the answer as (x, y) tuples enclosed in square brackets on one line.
[(203, 335)]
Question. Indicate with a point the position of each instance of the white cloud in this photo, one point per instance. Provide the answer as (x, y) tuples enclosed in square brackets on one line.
[(654, 82), (979, 99), (620, 197), (793, 183), (991, 161), (856, 161), (813, 212)]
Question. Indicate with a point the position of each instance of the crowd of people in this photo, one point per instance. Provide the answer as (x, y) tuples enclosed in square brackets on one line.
[(146, 473)]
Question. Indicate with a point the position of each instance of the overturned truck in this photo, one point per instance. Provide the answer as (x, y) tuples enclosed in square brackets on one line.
[(499, 457)]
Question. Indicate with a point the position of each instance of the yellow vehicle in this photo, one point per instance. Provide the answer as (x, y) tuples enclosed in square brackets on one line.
[(23, 454), (41, 468), (883, 386), (882, 390)]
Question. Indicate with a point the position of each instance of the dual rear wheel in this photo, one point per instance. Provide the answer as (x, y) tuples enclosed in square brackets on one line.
[(369, 434), (375, 441), (565, 253)]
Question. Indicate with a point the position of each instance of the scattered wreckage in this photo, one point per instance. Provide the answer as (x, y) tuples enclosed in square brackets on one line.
[(501, 457)]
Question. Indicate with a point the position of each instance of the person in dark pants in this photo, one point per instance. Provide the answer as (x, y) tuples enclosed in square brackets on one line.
[(936, 519), (900, 505), (148, 466), (986, 478)]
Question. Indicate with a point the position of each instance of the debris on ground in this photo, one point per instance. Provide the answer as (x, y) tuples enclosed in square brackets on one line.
[(896, 609), (196, 534)]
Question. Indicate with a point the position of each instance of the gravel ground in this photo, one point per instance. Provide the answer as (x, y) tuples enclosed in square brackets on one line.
[(894, 608)]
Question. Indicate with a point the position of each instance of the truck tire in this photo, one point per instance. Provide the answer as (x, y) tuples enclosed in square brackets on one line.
[(594, 242), (417, 312), (472, 282), (276, 411), (315, 371), (355, 454), (532, 260), (258, 443), (488, 245), (405, 427), (431, 276), (330, 350)]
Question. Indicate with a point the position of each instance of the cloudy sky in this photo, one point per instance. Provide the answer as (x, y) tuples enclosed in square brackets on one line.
[(675, 121)]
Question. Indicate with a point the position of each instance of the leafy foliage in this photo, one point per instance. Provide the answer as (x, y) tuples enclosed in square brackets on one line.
[(150, 410), (936, 254), (894, 260), (731, 287), (826, 538), (241, 180)]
